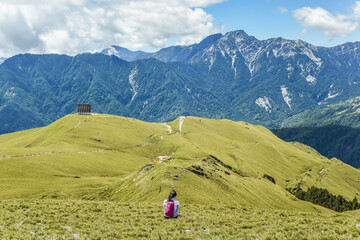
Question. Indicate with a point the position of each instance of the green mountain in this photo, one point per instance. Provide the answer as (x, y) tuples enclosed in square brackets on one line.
[(346, 113), (274, 82), (41, 88), (275, 79), (106, 157)]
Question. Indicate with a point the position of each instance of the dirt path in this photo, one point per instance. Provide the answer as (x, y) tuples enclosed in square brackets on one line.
[(54, 153), (79, 122), (181, 121), (169, 128)]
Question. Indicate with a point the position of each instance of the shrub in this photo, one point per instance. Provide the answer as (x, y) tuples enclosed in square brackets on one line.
[(270, 178)]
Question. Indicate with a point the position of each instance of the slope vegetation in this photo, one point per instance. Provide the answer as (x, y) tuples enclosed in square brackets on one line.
[(213, 161), (331, 141), (344, 113)]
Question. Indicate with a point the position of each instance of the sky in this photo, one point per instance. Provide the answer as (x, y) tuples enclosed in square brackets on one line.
[(76, 26)]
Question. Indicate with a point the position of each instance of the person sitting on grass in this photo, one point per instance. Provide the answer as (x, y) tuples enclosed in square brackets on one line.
[(171, 206)]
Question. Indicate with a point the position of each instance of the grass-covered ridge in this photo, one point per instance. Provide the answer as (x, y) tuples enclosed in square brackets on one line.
[(105, 157)]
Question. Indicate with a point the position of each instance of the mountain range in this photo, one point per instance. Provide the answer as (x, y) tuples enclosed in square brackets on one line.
[(274, 82)]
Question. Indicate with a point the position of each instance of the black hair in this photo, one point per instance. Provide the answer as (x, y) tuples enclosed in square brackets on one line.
[(172, 195)]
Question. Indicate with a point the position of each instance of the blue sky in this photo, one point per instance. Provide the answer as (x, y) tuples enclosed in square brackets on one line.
[(274, 18), (75, 26)]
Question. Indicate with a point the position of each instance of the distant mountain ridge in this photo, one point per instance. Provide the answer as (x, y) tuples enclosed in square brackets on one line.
[(169, 54), (287, 73), (126, 54), (233, 76)]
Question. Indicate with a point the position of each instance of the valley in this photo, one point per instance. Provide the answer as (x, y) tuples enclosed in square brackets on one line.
[(331, 141)]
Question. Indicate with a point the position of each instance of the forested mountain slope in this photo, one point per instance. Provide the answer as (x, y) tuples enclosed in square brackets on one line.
[(274, 82)]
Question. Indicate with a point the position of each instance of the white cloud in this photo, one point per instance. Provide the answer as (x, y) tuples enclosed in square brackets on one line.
[(283, 10), (304, 31), (356, 14), (202, 3), (73, 26), (331, 25)]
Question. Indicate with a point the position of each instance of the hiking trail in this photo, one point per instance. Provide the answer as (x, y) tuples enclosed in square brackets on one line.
[(181, 121), (169, 128)]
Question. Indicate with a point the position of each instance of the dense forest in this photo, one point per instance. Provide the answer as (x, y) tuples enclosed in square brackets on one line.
[(324, 198)]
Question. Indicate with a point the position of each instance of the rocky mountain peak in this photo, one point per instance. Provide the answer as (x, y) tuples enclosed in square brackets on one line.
[(237, 33), (210, 39)]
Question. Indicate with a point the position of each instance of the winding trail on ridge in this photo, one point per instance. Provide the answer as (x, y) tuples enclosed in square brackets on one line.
[(169, 128), (181, 121)]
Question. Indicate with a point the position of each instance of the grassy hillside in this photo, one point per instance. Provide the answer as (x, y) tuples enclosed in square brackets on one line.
[(104, 157), (73, 155), (75, 219)]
